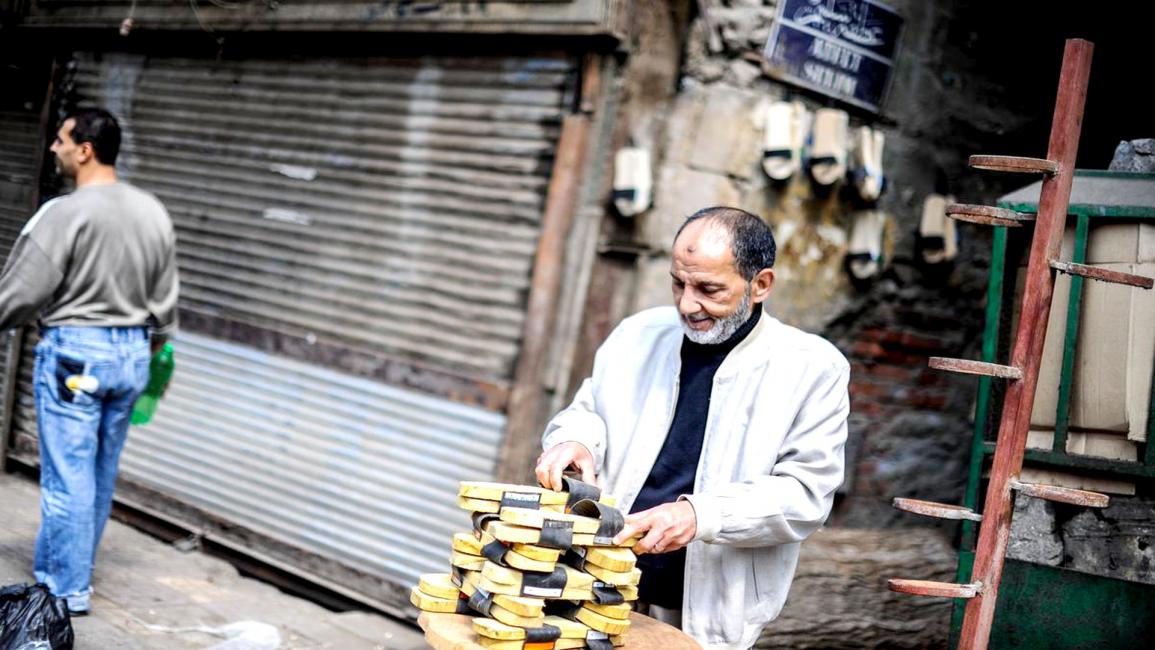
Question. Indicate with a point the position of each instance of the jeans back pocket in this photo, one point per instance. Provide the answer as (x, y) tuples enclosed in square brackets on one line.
[(65, 368)]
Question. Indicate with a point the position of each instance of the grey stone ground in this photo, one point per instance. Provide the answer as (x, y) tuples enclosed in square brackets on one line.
[(149, 595)]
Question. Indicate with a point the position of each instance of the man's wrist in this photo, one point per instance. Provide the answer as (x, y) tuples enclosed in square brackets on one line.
[(708, 517)]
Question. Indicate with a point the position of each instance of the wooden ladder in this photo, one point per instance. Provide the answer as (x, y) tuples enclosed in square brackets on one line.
[(1058, 171)]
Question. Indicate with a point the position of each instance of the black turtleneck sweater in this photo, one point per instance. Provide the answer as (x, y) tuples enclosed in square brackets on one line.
[(663, 575)]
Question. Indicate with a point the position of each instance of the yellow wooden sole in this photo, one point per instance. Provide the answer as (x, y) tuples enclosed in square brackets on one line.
[(616, 578), (485, 505), (573, 578), (612, 558), (467, 562), (496, 491), (602, 623), (569, 593), (439, 585), (519, 561), (520, 605), (469, 544), (514, 534), (621, 611), (537, 518), (428, 603), (538, 553), (490, 628)]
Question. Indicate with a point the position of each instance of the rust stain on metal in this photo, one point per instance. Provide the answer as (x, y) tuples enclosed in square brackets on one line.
[(1104, 275), (969, 367), (932, 509), (1015, 164), (932, 588), (1062, 494)]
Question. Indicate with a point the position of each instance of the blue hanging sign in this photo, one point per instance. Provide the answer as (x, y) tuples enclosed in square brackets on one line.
[(840, 48)]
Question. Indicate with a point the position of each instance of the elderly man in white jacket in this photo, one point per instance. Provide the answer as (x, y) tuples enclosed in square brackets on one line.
[(719, 428)]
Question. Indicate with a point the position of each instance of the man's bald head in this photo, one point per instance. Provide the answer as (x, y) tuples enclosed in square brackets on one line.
[(751, 241)]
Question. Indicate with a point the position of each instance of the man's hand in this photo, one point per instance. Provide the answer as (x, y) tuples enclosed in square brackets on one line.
[(667, 527), (552, 463)]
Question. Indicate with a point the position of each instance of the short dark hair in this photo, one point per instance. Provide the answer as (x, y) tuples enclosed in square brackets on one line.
[(751, 240), (98, 127)]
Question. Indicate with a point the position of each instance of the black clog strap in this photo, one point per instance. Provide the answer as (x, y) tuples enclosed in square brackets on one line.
[(579, 490), (612, 520)]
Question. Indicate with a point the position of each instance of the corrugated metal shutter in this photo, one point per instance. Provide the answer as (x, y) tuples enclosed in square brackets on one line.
[(371, 203), (388, 206), (20, 137), (343, 467), (24, 83)]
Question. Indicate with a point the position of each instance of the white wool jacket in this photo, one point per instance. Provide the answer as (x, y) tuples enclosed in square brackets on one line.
[(772, 457)]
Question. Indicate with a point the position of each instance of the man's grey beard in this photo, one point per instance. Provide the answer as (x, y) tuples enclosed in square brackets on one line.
[(723, 328)]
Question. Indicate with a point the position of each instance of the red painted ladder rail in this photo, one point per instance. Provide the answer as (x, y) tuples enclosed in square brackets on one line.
[(1022, 375)]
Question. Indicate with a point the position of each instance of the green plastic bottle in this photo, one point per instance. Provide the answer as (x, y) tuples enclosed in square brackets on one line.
[(159, 373)]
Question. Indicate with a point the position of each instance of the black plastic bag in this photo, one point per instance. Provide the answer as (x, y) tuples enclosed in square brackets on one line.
[(31, 618)]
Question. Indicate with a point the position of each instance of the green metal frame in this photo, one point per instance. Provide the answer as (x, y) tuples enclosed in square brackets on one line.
[(1001, 279)]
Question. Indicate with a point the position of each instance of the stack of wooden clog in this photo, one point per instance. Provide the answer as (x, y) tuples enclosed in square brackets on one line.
[(539, 569)]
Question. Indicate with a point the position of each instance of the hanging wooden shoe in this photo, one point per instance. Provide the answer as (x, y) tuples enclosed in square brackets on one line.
[(828, 149), (937, 239), (866, 168), (633, 181)]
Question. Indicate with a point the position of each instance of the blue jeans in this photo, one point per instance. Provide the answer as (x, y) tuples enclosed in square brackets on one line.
[(86, 380)]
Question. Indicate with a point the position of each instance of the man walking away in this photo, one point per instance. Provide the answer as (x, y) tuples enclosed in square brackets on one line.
[(98, 266)]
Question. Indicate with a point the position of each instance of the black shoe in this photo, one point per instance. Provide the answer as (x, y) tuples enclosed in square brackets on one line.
[(77, 613)]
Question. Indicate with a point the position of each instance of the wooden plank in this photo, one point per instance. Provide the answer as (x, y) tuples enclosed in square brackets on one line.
[(526, 417), (455, 632), (1103, 275), (1016, 164), (1027, 353), (969, 367), (984, 220), (988, 211), (932, 588), (1062, 494), (932, 509)]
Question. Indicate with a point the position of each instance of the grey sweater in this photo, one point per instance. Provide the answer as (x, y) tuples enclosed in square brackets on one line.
[(102, 256)]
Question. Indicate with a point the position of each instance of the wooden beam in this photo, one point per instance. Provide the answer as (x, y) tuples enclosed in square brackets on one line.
[(1027, 353), (1102, 275), (987, 215), (932, 509), (526, 416), (1015, 164), (1062, 494), (968, 367), (932, 588)]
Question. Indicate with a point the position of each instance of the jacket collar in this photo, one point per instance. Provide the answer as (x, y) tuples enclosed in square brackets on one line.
[(752, 350)]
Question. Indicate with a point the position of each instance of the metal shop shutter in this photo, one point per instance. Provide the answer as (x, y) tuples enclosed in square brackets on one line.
[(382, 205), (24, 84)]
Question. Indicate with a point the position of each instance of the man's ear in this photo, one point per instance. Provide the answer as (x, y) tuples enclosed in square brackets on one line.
[(761, 285), (84, 152)]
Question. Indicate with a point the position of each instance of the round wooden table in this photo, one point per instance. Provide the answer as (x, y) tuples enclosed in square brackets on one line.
[(455, 632)]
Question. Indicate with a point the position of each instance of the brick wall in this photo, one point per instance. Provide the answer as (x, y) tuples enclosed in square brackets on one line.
[(910, 426)]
